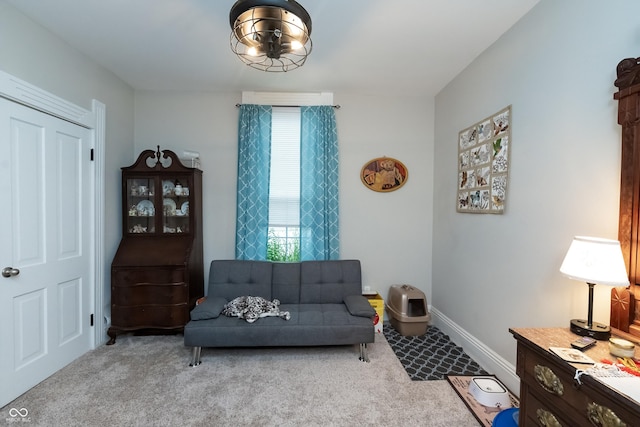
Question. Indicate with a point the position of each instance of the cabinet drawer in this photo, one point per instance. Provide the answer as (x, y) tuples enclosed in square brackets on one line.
[(539, 413), (150, 316), (125, 277), (145, 293), (552, 382), (550, 379), (601, 409)]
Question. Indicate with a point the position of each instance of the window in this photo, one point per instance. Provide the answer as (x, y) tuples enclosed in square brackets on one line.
[(307, 219), (284, 186)]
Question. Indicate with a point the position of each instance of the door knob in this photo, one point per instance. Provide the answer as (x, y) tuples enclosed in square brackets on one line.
[(10, 271)]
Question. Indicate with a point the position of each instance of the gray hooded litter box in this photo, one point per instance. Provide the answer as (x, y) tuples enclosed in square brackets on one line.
[(407, 308)]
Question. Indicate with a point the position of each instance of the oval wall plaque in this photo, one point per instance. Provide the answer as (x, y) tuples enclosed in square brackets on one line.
[(384, 174)]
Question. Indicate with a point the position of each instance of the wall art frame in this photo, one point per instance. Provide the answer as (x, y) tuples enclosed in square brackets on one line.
[(384, 174), (483, 164)]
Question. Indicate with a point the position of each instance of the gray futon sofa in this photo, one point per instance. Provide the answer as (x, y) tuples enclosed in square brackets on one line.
[(324, 299)]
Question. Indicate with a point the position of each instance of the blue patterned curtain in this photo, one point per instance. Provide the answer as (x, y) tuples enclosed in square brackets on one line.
[(319, 230), (254, 154)]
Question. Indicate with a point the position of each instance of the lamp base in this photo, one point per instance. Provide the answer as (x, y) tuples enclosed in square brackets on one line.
[(597, 330)]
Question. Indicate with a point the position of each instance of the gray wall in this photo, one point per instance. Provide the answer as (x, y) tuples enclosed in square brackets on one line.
[(33, 54), (389, 232), (556, 67)]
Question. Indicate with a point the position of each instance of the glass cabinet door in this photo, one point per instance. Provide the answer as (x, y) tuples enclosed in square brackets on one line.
[(175, 204), (140, 203)]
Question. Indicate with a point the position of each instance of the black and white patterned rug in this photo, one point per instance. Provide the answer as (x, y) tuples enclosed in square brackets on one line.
[(431, 356)]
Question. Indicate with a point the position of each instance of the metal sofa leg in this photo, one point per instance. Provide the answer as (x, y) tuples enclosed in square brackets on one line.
[(195, 358), (364, 357)]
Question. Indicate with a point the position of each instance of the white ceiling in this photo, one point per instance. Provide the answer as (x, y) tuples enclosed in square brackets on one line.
[(363, 46)]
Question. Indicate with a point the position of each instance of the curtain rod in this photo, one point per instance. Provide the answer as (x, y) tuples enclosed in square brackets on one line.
[(337, 107)]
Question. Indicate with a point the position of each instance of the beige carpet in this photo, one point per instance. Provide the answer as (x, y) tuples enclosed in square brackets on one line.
[(146, 381)]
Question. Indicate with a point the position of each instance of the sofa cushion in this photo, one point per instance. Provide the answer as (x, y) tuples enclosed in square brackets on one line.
[(210, 308), (358, 305), (329, 281), (234, 278)]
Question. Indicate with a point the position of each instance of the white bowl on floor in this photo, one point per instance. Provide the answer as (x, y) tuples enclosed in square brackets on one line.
[(489, 392)]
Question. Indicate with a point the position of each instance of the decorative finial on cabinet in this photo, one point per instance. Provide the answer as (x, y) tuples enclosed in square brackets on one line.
[(628, 71)]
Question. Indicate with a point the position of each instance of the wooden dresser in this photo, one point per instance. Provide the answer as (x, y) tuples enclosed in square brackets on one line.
[(549, 394)]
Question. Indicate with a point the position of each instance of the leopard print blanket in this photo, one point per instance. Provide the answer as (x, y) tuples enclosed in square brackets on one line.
[(252, 308)]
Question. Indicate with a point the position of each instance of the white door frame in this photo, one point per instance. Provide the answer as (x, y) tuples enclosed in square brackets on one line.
[(19, 91)]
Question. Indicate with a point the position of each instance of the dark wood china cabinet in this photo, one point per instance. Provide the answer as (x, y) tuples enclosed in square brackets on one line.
[(157, 273), (625, 302)]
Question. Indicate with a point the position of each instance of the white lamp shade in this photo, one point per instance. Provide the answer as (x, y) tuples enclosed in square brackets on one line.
[(595, 260)]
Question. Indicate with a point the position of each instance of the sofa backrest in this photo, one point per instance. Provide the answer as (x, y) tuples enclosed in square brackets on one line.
[(286, 282), (307, 282), (329, 281), (233, 278)]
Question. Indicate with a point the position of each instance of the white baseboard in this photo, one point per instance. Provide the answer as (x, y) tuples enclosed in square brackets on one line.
[(487, 358)]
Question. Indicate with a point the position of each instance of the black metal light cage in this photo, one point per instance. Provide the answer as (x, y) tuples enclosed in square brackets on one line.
[(270, 35)]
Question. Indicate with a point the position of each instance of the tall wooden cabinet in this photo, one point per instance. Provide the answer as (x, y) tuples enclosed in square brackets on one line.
[(625, 302), (157, 273)]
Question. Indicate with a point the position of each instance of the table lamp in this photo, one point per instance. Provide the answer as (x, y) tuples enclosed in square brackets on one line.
[(594, 260)]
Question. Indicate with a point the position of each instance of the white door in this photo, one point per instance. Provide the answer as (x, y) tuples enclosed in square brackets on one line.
[(45, 246)]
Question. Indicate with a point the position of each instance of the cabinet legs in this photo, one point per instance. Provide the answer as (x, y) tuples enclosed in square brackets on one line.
[(112, 334), (195, 357)]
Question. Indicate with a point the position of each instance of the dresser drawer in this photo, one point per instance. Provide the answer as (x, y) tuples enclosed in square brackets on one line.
[(150, 316), (537, 412), (601, 409), (128, 276), (144, 293), (554, 383)]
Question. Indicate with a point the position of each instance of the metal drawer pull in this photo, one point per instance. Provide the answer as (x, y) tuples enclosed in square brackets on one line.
[(548, 380), (602, 416), (547, 419)]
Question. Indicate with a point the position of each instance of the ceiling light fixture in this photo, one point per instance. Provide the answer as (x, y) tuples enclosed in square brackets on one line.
[(270, 35)]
